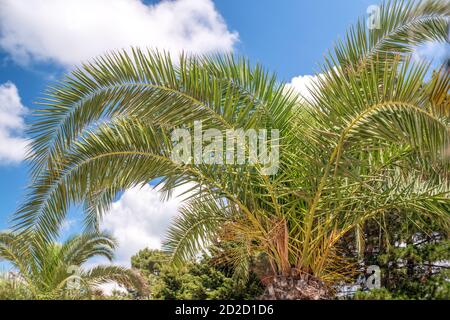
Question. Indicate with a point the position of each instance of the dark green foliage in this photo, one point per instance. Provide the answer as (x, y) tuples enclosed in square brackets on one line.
[(197, 280), (414, 263)]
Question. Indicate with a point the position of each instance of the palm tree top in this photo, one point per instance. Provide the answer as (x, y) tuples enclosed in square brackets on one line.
[(49, 268)]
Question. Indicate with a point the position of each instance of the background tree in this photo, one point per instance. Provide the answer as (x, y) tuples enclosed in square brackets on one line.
[(413, 260), (55, 271), (197, 280)]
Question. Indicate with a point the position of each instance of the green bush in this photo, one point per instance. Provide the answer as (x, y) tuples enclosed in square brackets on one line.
[(11, 289), (197, 280)]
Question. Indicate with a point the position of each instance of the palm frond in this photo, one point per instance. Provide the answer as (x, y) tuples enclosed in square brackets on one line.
[(196, 227)]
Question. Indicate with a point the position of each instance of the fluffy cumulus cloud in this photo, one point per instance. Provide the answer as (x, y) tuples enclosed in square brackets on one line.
[(71, 31), (303, 84), (435, 51), (140, 219), (12, 143)]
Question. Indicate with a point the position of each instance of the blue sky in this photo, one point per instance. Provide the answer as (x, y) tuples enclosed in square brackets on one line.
[(289, 37)]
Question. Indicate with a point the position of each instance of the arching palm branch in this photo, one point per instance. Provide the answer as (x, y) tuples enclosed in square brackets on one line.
[(370, 141), (52, 270)]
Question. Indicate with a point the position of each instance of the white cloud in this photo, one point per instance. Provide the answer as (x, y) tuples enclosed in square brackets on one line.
[(139, 219), (71, 31), (436, 51), (12, 144), (67, 225), (302, 84)]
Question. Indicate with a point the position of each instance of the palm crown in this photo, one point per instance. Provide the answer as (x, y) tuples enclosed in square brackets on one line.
[(52, 270)]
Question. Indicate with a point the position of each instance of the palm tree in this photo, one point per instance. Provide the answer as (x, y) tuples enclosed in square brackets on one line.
[(55, 271), (368, 142)]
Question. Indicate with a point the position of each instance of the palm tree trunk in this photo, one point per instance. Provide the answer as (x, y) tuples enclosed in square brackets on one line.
[(295, 287)]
